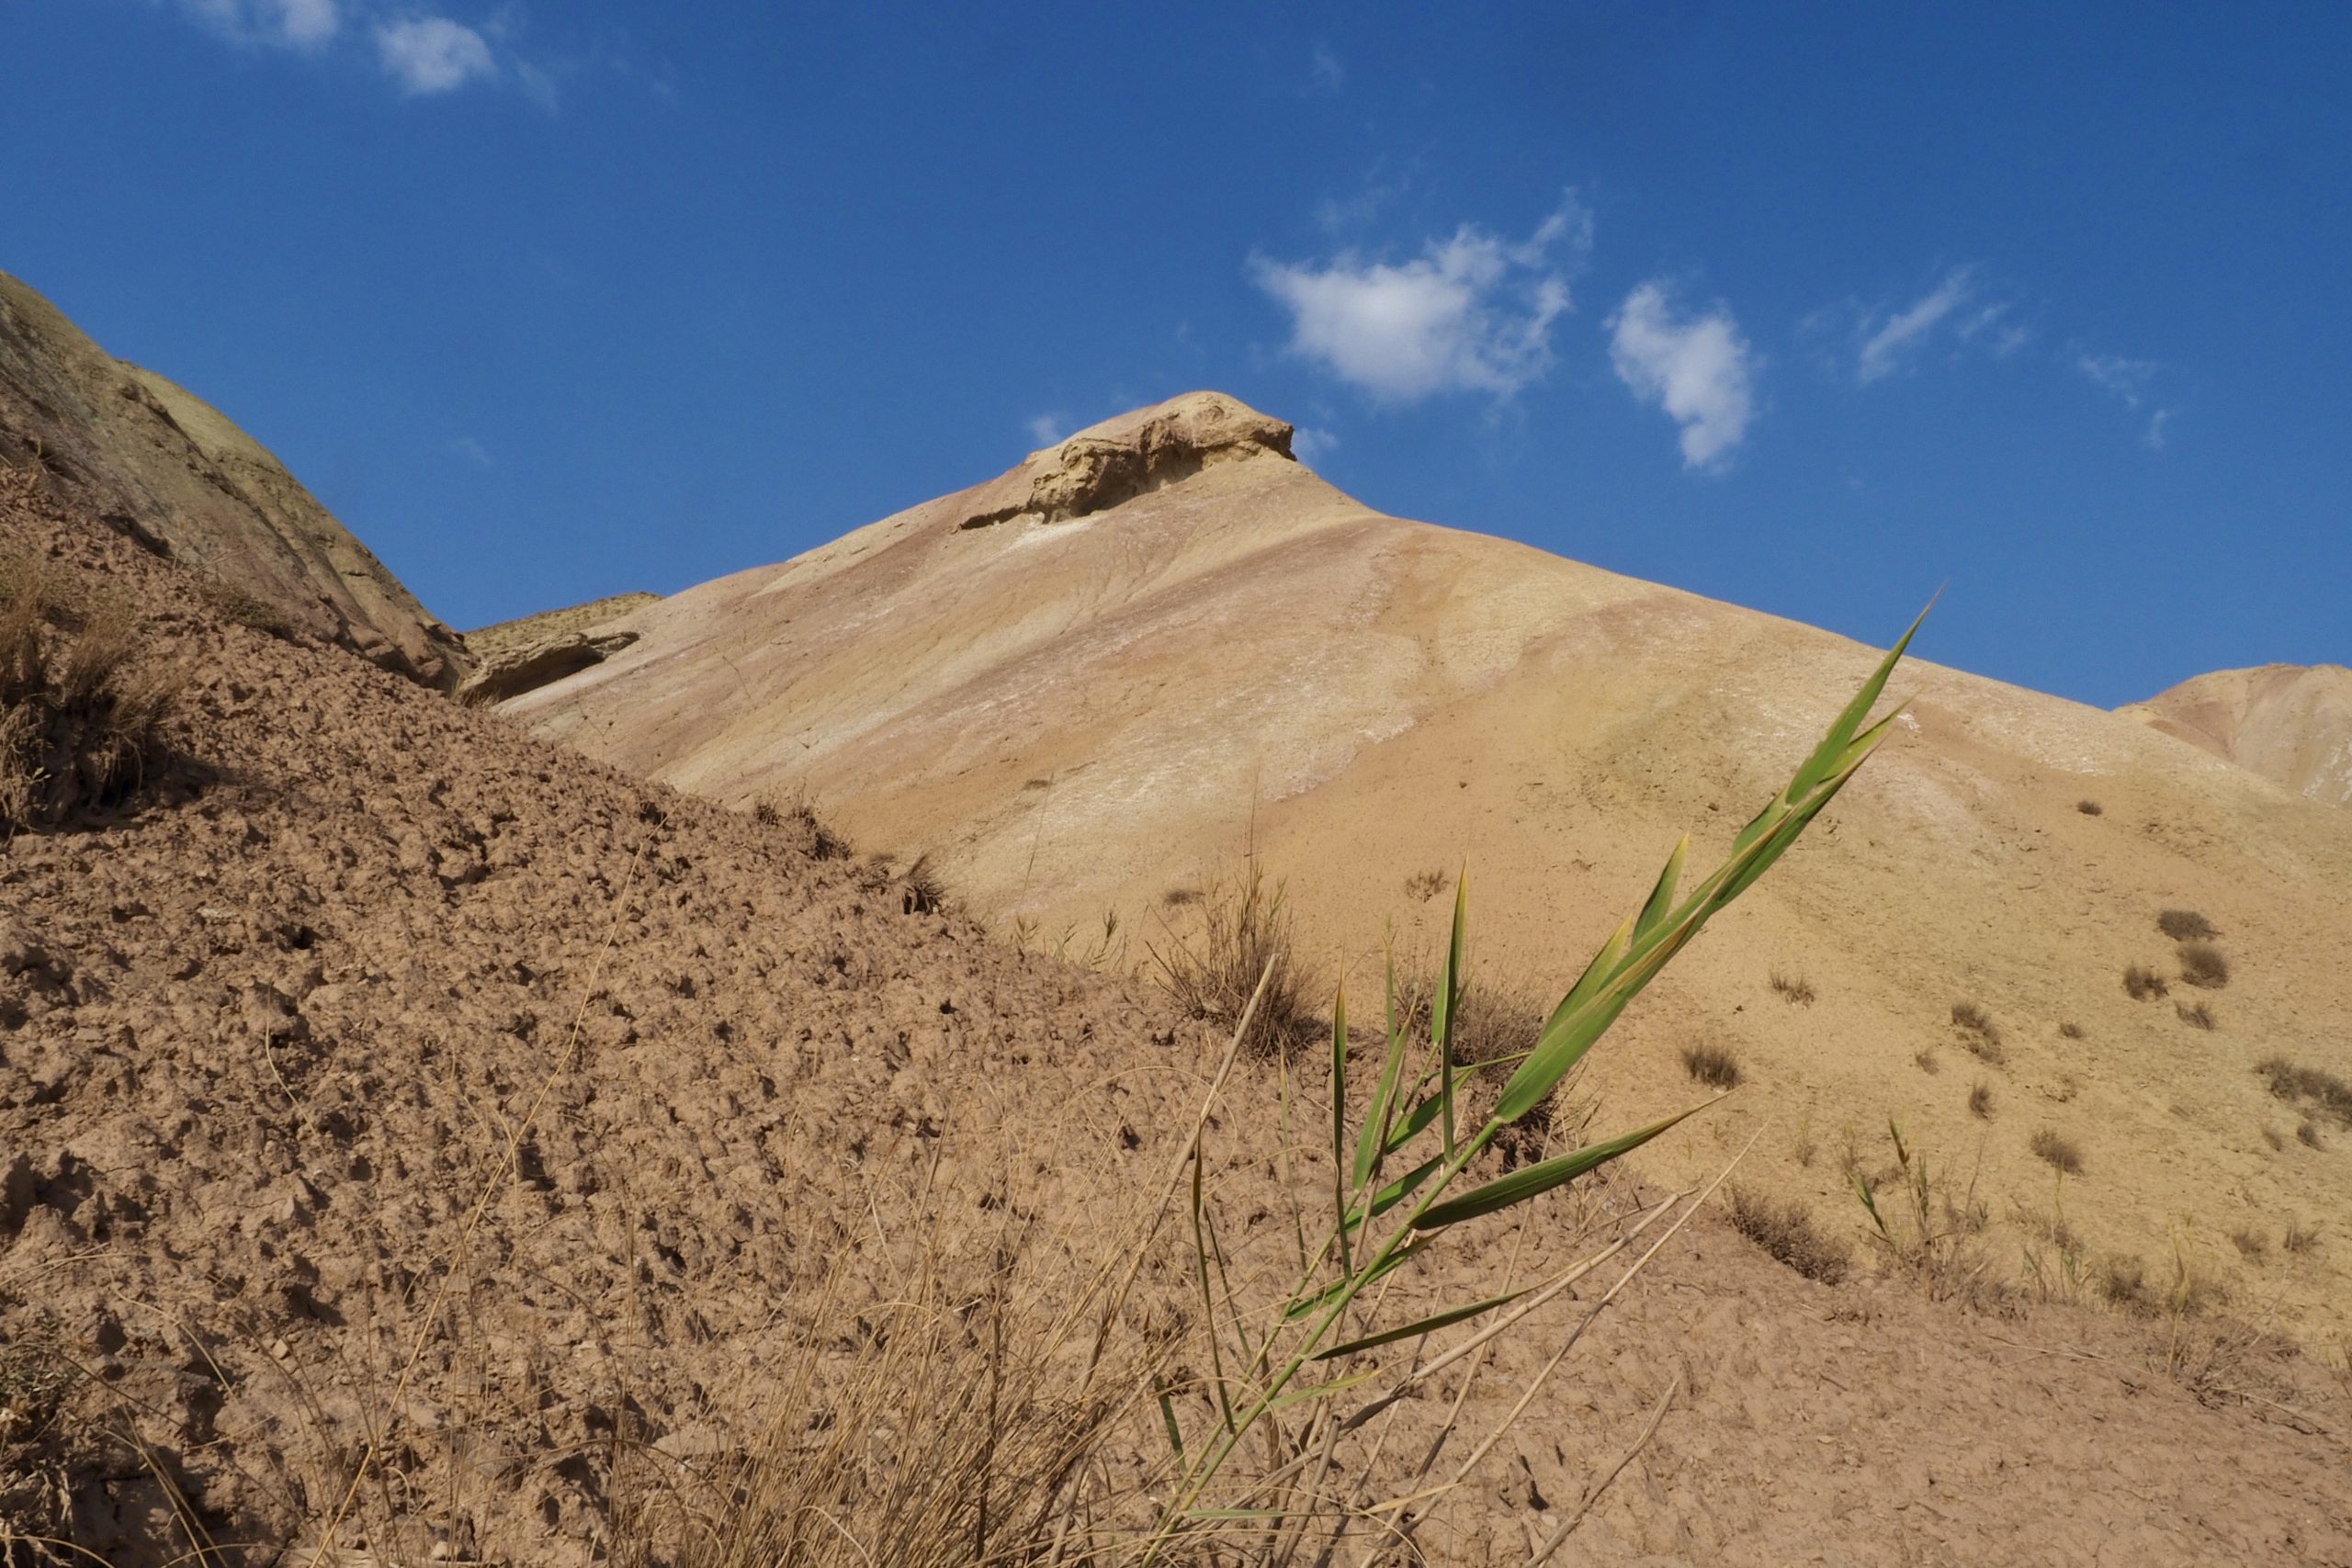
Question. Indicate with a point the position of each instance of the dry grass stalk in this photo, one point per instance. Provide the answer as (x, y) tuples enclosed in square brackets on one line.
[(82, 715), (1787, 1232), (1212, 969)]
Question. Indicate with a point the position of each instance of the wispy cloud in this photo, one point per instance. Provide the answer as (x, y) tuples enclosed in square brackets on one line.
[(1888, 341), (1046, 429), (284, 23), (1325, 74), (2132, 382), (429, 55), (1698, 368), (1473, 313), (471, 450)]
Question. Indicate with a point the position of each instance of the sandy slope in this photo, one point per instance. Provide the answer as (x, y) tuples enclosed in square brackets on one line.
[(2290, 723), (165, 466), (266, 1030), (1081, 714)]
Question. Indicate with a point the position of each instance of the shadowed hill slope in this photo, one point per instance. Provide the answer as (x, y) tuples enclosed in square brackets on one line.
[(2290, 723), (1079, 710), (167, 469)]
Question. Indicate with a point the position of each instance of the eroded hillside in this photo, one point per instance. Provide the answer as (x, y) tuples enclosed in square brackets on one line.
[(1091, 711), (407, 1127)]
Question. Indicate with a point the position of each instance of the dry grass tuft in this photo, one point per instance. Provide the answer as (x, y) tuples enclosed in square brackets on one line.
[(82, 716), (818, 840), (2088, 807), (2186, 925), (2306, 1134), (1713, 1066), (2058, 1150), (1978, 1032), (2143, 983), (2070, 1031), (2201, 965), (1787, 1232), (1211, 969), (1424, 886), (1980, 1101), (2311, 1087), (1924, 1058), (2250, 1244), (922, 892), (2196, 1016), (1792, 989), (2299, 1238)]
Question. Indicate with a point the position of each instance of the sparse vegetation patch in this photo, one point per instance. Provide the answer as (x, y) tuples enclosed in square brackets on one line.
[(1792, 989), (1713, 1066), (2311, 1087), (2088, 807), (1212, 969), (2201, 965), (1980, 1101), (2143, 983), (2186, 925), (1978, 1032), (1786, 1230), (2196, 1015), (2059, 1150), (81, 716)]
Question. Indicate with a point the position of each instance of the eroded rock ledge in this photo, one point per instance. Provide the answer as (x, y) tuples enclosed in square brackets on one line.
[(1117, 461)]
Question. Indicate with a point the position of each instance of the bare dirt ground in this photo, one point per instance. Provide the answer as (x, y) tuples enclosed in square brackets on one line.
[(268, 1033)]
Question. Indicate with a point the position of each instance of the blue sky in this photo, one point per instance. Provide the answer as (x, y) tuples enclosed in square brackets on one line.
[(1813, 308)]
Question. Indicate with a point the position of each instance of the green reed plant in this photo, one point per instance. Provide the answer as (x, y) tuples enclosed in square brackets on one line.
[(1400, 1183)]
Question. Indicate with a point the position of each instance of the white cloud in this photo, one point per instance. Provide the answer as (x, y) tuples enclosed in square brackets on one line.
[(1472, 313), (288, 24), (1324, 73), (433, 55), (1889, 340), (1310, 445), (1698, 370), (2152, 438), (471, 450), (1047, 430), (2127, 379)]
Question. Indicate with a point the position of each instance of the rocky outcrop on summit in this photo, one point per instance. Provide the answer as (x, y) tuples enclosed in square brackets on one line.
[(167, 469), (519, 656), (1130, 456), (2289, 723)]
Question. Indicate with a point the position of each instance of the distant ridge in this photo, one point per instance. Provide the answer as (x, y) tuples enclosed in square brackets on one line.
[(2290, 723)]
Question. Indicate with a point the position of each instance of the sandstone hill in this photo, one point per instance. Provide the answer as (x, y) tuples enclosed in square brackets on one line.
[(381, 1084), (1086, 688), (166, 468), (528, 652), (2290, 723)]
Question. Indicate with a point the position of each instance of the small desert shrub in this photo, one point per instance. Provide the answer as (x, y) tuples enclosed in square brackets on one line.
[(2088, 807), (81, 716), (1786, 1230), (2186, 925), (2197, 1017), (2058, 1150), (2313, 1086), (1920, 1228), (1424, 886), (1978, 1031), (1980, 1101), (2250, 1244), (2123, 1280), (2070, 1031), (1212, 971), (922, 892), (1180, 898), (2299, 1237), (2143, 983), (2306, 1134), (1924, 1058), (2201, 965), (1713, 1066), (1792, 989), (820, 841)]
